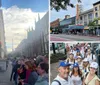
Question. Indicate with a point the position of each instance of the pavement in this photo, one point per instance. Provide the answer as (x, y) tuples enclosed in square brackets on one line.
[(5, 76), (53, 70), (65, 37)]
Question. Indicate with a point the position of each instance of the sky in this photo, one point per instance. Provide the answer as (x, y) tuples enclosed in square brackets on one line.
[(19, 16), (35, 5), (86, 4)]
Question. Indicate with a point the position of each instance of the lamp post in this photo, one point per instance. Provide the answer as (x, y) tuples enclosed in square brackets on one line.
[(13, 40)]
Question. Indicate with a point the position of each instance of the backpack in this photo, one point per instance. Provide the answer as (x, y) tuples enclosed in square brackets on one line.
[(57, 81)]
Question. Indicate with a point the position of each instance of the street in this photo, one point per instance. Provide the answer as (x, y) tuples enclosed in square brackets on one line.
[(5, 77), (64, 37)]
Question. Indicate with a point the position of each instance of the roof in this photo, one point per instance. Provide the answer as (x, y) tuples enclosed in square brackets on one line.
[(68, 18), (87, 11), (96, 3), (55, 21)]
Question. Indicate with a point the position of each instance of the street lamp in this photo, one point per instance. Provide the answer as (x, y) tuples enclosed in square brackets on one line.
[(13, 41)]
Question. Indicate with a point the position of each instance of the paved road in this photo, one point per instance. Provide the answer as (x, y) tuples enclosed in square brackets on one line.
[(64, 37), (5, 77)]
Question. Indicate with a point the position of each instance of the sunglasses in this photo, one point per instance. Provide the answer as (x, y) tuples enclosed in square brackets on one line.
[(93, 68)]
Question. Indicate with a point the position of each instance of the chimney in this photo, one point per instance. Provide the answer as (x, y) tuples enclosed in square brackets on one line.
[(67, 16)]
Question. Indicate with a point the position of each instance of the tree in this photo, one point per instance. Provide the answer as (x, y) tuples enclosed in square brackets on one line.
[(53, 47), (93, 23), (61, 4)]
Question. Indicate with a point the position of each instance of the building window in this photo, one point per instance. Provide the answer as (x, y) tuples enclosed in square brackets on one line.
[(90, 16), (96, 9), (96, 14), (80, 17)]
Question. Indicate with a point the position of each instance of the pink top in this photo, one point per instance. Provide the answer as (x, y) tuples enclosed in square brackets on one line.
[(28, 72)]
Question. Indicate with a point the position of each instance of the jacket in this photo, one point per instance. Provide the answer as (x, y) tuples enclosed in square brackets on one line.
[(32, 78), (42, 80)]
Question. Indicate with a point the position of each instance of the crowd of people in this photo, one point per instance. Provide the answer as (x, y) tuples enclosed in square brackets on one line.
[(79, 68), (30, 71)]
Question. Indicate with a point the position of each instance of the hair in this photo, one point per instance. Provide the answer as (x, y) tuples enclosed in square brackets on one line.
[(29, 64), (79, 72), (77, 54), (44, 66)]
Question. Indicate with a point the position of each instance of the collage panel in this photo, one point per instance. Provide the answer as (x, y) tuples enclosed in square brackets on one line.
[(74, 63), (75, 20), (24, 42)]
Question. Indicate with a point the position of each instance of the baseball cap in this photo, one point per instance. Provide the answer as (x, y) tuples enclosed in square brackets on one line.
[(63, 64), (75, 65), (85, 60), (94, 65), (78, 50), (79, 57)]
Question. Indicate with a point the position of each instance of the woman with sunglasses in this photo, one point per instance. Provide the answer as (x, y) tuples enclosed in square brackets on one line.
[(91, 78)]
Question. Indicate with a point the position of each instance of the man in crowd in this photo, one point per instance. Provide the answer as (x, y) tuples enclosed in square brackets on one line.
[(91, 57), (63, 77)]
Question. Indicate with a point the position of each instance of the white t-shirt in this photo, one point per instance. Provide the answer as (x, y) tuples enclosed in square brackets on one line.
[(62, 81), (74, 52), (82, 52), (89, 57), (76, 80)]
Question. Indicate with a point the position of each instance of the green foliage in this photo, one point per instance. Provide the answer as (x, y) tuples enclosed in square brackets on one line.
[(56, 57), (93, 22), (61, 4), (51, 28)]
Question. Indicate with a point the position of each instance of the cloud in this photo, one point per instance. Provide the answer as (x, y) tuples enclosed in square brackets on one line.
[(17, 20)]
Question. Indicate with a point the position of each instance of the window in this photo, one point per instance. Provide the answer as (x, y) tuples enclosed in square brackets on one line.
[(81, 18), (96, 14), (96, 9), (90, 16)]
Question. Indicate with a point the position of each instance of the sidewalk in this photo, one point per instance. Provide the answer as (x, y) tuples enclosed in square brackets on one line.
[(53, 71), (95, 36), (5, 76)]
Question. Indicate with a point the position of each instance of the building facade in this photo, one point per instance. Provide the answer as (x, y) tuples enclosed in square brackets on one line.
[(37, 42), (2, 37), (64, 24), (96, 10), (86, 17), (55, 23)]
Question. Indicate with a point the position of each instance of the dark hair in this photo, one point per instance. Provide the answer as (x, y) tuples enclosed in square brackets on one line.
[(79, 72), (29, 64), (44, 66)]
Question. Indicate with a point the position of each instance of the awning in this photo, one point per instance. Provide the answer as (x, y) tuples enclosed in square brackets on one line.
[(65, 28), (86, 28), (76, 27)]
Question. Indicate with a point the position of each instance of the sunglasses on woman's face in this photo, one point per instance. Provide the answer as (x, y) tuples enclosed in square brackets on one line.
[(93, 68)]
